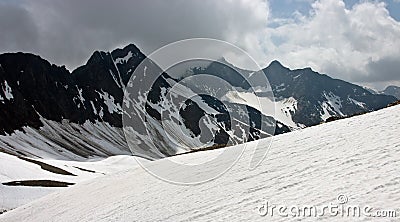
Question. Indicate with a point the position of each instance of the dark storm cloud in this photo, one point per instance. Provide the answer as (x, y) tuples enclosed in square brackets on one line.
[(17, 27), (379, 73), (385, 69), (67, 32)]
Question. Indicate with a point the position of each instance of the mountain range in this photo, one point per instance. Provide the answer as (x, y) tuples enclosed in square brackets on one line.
[(47, 111)]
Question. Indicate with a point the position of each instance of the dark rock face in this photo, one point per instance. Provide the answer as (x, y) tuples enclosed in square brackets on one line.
[(37, 88), (392, 91)]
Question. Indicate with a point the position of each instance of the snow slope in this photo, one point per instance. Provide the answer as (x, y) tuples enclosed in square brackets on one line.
[(282, 110), (358, 157), (66, 141)]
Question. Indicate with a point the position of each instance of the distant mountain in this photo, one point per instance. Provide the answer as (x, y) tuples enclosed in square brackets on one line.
[(392, 90), (304, 97), (319, 96), (48, 111)]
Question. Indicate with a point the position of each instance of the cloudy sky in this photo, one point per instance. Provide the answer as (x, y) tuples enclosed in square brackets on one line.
[(354, 40)]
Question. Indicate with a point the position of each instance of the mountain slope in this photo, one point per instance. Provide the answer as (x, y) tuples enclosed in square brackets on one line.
[(49, 110), (357, 157), (319, 96)]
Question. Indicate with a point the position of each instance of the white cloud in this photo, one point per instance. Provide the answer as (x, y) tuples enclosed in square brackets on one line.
[(352, 44)]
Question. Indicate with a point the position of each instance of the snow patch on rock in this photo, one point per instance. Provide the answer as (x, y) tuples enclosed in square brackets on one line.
[(110, 103)]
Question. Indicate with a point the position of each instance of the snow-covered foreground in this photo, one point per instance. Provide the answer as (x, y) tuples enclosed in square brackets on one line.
[(357, 157), (14, 169)]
